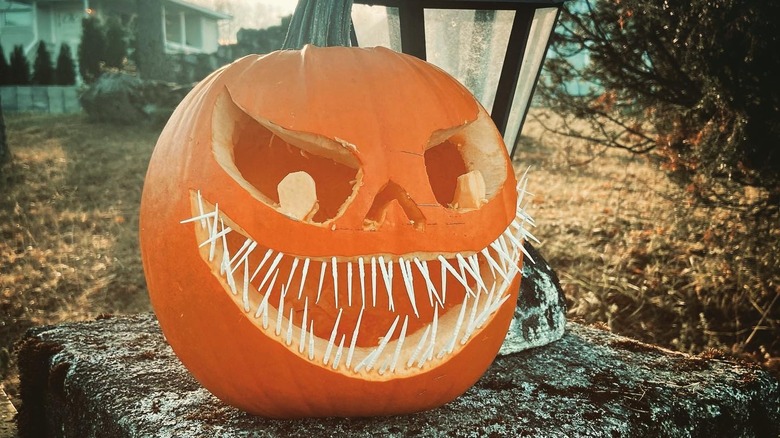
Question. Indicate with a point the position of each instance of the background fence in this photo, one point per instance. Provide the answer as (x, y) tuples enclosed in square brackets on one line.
[(49, 99)]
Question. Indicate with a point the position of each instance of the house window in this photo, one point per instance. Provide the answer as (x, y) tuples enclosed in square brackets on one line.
[(17, 18)]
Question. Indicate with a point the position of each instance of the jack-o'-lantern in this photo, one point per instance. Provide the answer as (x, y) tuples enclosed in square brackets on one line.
[(332, 231)]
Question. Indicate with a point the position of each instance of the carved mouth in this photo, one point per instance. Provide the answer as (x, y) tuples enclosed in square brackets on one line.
[(373, 316)]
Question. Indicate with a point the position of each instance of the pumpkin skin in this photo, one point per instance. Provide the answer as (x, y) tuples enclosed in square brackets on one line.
[(383, 136)]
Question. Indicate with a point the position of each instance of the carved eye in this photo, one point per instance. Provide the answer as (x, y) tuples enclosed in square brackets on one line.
[(305, 176), (467, 167)]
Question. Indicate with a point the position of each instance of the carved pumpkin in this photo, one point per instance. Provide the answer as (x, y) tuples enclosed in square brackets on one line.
[(332, 231)]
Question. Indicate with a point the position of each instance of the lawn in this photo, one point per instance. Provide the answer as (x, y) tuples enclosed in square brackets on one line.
[(633, 253)]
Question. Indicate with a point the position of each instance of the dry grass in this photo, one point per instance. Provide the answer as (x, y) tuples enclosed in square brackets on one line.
[(630, 251)]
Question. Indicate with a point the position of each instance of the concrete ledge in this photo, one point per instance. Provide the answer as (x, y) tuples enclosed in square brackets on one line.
[(117, 377)]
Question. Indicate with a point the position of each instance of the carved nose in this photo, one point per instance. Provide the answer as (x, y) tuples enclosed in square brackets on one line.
[(393, 206)]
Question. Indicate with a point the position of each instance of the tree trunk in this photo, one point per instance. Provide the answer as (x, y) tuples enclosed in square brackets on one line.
[(150, 42)]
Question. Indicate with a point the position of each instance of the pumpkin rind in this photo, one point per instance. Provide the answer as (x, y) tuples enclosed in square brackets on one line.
[(384, 108)]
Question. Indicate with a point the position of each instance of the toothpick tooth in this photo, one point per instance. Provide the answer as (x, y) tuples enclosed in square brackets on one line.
[(349, 284), (311, 340), (304, 275), (288, 340), (406, 272), (472, 324), (485, 312), (498, 303), (494, 265), (335, 272), (332, 338), (245, 257), (370, 360), (429, 351), (200, 217), (384, 366), (387, 275), (247, 243), (213, 236), (302, 345), (261, 264), (262, 309), (280, 312), (337, 358), (399, 344), (518, 244), (426, 274), (474, 273), (373, 281), (511, 252), (418, 349), (322, 278), (462, 280), (362, 274), (293, 268), (354, 338), (225, 265), (451, 343), (245, 289), (443, 282), (506, 260), (203, 222), (271, 268)]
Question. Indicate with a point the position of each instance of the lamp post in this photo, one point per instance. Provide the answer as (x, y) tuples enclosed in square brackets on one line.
[(494, 47)]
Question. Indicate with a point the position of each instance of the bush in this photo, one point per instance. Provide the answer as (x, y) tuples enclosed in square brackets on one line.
[(43, 70), (5, 69), (20, 67), (116, 43), (65, 72), (92, 49)]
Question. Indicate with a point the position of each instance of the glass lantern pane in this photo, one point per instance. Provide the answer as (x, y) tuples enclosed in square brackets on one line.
[(377, 26), (470, 45), (544, 20)]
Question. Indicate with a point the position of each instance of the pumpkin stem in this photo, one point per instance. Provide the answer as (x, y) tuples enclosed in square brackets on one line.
[(322, 23)]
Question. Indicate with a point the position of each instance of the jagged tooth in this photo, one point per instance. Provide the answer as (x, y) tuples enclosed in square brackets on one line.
[(304, 276), (288, 340), (450, 345), (406, 272), (262, 309), (293, 268), (362, 274), (332, 338), (387, 275), (335, 272), (349, 284), (496, 268), (271, 268), (337, 358), (373, 281), (462, 280), (261, 264), (471, 270), (311, 340), (418, 348), (322, 279), (354, 338), (280, 311), (370, 360), (399, 344), (302, 345)]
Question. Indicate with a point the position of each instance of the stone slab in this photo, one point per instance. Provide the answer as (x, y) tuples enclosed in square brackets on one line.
[(118, 377)]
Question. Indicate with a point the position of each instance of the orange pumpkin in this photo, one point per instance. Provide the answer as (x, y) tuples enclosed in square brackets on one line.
[(332, 231)]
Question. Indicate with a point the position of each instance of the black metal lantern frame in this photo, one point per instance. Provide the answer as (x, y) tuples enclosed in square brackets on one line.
[(508, 103)]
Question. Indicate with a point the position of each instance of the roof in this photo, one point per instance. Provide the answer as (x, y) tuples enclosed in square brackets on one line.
[(180, 3)]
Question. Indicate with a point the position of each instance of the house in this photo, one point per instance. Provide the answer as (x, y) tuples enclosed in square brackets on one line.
[(188, 28)]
